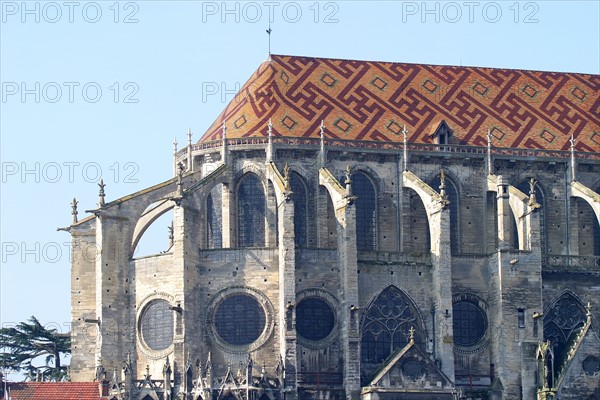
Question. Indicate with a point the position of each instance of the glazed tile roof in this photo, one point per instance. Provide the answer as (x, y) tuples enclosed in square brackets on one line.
[(54, 391), (371, 101)]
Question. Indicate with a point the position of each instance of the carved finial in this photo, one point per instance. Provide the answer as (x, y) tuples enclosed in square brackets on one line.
[(270, 128), (74, 209), (180, 178), (349, 196), (443, 184), (175, 144), (263, 371), (322, 129), (147, 371), (411, 334), (572, 140), (532, 198), (101, 193), (405, 148), (286, 178), (347, 174), (489, 137), (171, 236), (189, 136), (573, 163), (224, 131)]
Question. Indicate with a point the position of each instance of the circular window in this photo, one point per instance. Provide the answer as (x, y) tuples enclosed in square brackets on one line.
[(314, 319), (239, 320), (413, 369), (591, 365), (469, 323), (156, 325)]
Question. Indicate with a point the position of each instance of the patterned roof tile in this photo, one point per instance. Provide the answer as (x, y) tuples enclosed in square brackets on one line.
[(359, 99), (55, 391)]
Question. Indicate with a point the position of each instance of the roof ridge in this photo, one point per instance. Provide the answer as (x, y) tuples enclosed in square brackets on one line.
[(434, 65)]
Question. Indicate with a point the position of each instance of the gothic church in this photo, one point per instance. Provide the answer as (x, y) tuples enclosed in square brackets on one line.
[(358, 230)]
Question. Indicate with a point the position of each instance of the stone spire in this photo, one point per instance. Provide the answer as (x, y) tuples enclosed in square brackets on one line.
[(443, 185), (101, 193), (532, 198), (489, 153), (190, 157), (270, 143), (74, 210), (405, 141), (174, 156), (573, 163), (322, 152), (224, 152)]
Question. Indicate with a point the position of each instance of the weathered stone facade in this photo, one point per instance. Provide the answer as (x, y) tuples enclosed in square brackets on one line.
[(434, 268)]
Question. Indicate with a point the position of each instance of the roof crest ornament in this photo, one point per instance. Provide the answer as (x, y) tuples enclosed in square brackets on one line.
[(269, 33)]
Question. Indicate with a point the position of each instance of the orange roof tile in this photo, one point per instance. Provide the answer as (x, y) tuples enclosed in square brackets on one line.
[(54, 391), (364, 100)]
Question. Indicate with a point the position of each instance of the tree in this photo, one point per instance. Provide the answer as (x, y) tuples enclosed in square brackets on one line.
[(21, 345)]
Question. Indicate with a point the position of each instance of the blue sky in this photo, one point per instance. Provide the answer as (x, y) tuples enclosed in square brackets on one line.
[(94, 89)]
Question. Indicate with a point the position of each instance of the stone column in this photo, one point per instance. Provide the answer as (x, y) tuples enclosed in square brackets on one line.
[(114, 307), (516, 293), (287, 295), (83, 301), (349, 313), (439, 220)]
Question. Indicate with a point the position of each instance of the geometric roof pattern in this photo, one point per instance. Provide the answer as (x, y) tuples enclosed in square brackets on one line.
[(372, 101), (54, 391)]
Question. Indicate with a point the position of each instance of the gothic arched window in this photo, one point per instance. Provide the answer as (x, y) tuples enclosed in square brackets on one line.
[(366, 211), (561, 322), (300, 211), (251, 212), (386, 326), (214, 226)]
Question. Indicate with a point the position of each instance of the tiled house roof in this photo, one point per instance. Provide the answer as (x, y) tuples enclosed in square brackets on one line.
[(54, 391), (364, 100)]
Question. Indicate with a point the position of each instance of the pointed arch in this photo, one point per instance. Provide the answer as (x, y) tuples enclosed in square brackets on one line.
[(251, 207), (153, 212), (299, 197), (385, 327), (214, 218), (562, 320), (366, 211)]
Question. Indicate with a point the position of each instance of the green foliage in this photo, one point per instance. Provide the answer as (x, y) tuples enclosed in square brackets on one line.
[(26, 342)]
